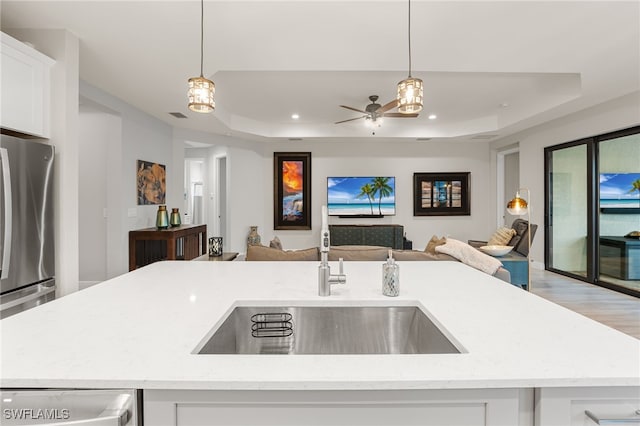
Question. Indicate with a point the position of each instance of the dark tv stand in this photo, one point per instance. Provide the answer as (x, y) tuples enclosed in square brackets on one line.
[(367, 235)]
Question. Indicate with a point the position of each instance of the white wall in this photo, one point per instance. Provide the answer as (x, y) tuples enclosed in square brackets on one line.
[(384, 158), (64, 47), (142, 138), (95, 130), (614, 115), (250, 185)]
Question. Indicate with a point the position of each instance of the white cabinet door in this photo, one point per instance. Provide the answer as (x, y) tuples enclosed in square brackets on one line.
[(25, 87), (498, 407), (568, 406)]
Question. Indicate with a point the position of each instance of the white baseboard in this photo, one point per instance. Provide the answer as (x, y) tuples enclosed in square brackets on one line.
[(537, 265)]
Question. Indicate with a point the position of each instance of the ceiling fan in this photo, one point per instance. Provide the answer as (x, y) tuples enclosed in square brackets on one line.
[(374, 110)]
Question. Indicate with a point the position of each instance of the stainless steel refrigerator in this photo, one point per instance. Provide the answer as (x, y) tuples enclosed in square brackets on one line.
[(27, 257)]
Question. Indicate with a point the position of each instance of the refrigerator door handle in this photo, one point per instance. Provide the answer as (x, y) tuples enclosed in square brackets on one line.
[(117, 413), (8, 209), (27, 298)]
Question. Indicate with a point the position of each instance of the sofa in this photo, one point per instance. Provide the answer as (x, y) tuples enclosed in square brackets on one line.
[(359, 253)]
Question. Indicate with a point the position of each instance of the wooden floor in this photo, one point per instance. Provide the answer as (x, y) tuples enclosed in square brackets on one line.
[(617, 310)]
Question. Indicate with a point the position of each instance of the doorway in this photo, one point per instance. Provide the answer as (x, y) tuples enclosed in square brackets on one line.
[(194, 191), (221, 199), (508, 179)]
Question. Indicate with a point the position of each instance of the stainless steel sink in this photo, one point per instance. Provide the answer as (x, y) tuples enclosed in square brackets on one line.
[(327, 330)]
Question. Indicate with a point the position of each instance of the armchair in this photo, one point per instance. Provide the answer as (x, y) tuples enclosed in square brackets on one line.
[(518, 241)]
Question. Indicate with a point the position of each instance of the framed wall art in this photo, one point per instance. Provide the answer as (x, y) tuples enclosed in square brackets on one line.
[(441, 194), (292, 190), (151, 183)]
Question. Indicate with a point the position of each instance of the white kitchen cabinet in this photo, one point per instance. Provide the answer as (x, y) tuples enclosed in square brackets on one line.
[(568, 406), (25, 87), (486, 407)]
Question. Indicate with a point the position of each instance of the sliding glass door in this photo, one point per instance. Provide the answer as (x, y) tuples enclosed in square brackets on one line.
[(592, 210), (619, 213), (568, 210)]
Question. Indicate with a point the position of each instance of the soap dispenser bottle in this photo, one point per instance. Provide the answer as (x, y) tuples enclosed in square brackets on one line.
[(390, 277)]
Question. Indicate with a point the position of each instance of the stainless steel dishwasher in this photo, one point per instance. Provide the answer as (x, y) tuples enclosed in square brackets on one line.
[(77, 407)]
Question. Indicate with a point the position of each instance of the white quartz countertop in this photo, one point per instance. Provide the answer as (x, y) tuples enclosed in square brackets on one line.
[(139, 330)]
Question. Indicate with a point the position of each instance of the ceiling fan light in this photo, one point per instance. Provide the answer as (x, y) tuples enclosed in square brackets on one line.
[(410, 95), (201, 91)]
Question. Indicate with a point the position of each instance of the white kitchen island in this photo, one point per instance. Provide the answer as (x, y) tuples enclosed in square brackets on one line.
[(522, 354)]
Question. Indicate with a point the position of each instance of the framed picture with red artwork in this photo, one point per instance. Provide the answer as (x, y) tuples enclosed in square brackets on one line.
[(292, 190)]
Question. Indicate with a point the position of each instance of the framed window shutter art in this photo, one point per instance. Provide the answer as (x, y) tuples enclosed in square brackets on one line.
[(441, 194)]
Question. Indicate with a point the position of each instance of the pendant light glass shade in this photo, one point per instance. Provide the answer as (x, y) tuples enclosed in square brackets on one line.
[(518, 206), (410, 90), (410, 95), (201, 93), (201, 90)]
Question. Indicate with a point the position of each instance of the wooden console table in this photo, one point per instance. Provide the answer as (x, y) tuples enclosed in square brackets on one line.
[(226, 257), (184, 242)]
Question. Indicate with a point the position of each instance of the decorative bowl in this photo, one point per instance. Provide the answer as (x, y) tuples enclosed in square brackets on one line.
[(496, 250)]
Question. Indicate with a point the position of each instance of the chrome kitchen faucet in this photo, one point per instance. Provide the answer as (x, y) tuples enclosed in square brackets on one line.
[(325, 279)]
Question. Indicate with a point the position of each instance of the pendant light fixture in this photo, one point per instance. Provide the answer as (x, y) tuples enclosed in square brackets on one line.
[(410, 90), (201, 90)]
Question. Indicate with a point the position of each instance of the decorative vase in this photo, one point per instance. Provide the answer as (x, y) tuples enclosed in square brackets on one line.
[(162, 218), (215, 246), (253, 239), (174, 219)]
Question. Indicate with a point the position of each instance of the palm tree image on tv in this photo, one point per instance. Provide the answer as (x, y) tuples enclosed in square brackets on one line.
[(358, 196), (620, 190), (635, 186), (368, 191), (382, 188)]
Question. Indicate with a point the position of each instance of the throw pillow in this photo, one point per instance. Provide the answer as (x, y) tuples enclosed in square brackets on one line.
[(275, 243), (501, 237), (433, 243), (470, 256)]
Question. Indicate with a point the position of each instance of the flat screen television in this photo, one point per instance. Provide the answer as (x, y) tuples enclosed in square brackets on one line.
[(361, 196), (620, 193)]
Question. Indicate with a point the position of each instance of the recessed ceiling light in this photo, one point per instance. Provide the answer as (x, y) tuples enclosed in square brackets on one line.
[(295, 116), (432, 117), (504, 105)]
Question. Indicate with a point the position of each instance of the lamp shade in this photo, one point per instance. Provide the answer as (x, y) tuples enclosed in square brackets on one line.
[(201, 91), (410, 95), (518, 206)]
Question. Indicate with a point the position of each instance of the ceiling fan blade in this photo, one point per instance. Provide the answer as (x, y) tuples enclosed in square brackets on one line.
[(399, 115), (351, 119), (387, 107), (354, 109)]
